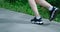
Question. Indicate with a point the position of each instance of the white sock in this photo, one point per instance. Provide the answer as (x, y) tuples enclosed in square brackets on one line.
[(50, 8), (38, 17)]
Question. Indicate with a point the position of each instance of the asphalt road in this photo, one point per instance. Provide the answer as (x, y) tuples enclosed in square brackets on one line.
[(19, 22)]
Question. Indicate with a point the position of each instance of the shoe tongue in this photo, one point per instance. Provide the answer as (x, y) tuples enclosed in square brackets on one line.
[(53, 8), (40, 19)]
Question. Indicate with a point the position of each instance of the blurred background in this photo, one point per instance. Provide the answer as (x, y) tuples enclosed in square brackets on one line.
[(24, 7)]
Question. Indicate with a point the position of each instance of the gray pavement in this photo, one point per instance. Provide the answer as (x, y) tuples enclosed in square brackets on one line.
[(18, 22)]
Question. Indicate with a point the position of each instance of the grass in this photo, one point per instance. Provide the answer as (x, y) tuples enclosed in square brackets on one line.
[(25, 8)]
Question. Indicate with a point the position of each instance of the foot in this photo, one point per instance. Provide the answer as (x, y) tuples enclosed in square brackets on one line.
[(37, 21), (53, 13)]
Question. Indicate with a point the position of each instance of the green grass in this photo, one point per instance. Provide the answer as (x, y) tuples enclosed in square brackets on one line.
[(25, 8)]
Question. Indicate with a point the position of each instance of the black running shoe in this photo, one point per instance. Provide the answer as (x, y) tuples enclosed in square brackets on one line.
[(37, 21), (53, 13)]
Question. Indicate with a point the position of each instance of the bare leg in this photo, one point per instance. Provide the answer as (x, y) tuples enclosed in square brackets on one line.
[(34, 7), (41, 2), (37, 18), (44, 3), (52, 9)]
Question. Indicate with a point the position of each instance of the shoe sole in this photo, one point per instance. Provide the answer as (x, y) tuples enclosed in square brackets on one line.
[(55, 14), (39, 23)]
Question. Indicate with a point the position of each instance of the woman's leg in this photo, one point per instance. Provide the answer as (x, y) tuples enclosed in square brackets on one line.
[(44, 3), (34, 7), (37, 18), (51, 8)]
